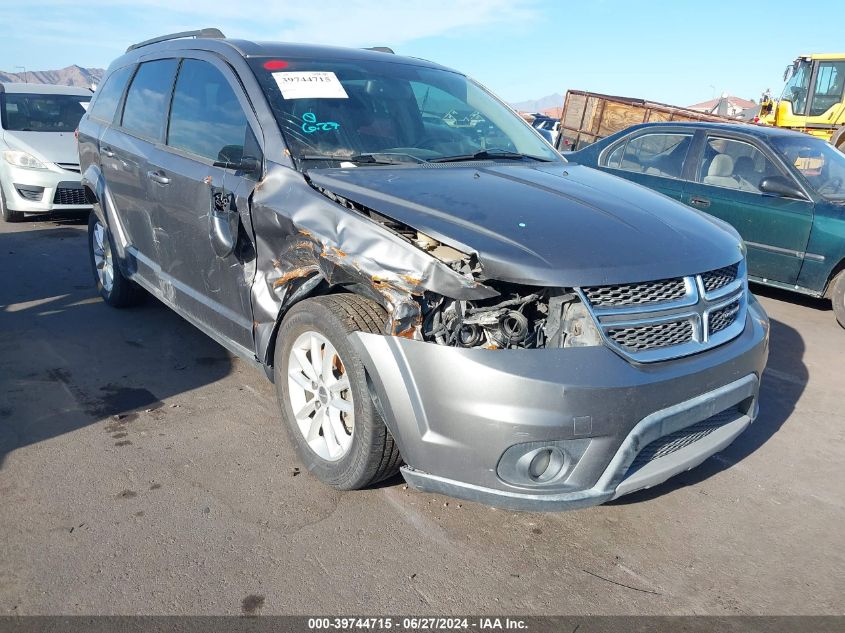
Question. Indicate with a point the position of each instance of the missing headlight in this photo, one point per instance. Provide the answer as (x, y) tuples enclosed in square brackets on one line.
[(519, 318)]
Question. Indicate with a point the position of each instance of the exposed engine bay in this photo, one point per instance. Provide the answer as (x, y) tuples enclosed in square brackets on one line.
[(519, 318)]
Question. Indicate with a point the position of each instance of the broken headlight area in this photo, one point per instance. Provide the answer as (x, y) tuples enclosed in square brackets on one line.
[(519, 318)]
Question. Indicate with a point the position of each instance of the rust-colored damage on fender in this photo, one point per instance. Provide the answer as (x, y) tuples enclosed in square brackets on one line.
[(306, 241)]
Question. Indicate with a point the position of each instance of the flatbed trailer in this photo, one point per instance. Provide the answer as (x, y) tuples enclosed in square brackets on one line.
[(589, 116)]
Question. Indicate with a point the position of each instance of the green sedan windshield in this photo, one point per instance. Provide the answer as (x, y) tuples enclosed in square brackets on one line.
[(821, 164)]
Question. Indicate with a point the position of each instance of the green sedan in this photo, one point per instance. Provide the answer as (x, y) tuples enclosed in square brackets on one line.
[(783, 191)]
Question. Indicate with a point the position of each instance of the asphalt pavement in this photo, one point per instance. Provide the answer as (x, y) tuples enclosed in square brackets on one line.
[(143, 470)]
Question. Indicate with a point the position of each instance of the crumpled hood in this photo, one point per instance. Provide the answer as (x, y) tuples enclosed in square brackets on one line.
[(557, 225), (48, 147)]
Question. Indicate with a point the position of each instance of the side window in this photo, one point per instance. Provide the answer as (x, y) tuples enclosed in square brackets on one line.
[(830, 78), (653, 154), (614, 159), (206, 118), (734, 164), (146, 102), (108, 96)]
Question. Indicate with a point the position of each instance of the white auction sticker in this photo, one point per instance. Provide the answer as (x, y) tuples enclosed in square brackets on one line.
[(310, 85)]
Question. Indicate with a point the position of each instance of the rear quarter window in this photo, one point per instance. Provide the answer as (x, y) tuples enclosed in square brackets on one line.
[(108, 96)]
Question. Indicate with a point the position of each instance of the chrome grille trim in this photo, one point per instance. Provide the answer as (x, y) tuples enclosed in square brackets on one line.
[(715, 280), (711, 312), (636, 294)]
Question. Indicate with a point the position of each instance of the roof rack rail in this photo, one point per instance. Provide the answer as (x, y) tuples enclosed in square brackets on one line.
[(210, 33), (381, 49)]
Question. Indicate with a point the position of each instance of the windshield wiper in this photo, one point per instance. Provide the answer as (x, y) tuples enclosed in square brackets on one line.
[(369, 158), (489, 153)]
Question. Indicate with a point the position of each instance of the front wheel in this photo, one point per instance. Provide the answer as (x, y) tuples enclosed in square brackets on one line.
[(322, 388), (837, 297), (114, 288)]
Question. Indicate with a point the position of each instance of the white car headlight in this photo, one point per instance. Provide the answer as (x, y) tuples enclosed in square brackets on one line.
[(22, 159)]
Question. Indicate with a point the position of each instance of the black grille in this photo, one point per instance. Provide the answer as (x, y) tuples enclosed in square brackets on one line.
[(668, 444), (69, 166), (643, 337), (67, 195), (723, 317), (716, 279), (636, 294)]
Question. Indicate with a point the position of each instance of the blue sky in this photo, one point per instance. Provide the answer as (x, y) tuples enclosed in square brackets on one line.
[(677, 52)]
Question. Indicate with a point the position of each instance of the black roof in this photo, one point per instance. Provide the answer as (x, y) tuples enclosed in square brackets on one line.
[(246, 48)]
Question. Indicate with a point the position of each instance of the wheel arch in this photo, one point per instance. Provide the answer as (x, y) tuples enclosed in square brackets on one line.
[(314, 286), (833, 273)]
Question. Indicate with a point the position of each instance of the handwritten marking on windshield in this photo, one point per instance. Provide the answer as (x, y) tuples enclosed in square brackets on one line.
[(311, 124)]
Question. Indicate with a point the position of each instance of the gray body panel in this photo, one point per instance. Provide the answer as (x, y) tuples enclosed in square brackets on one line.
[(455, 412), (558, 225)]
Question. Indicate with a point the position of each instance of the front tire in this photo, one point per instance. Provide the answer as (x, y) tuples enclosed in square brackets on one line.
[(837, 297), (322, 389), (6, 212), (115, 289)]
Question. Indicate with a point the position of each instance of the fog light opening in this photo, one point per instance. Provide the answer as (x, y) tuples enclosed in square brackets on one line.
[(546, 464)]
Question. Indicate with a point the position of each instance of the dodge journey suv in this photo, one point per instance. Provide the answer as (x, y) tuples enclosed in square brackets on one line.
[(429, 285)]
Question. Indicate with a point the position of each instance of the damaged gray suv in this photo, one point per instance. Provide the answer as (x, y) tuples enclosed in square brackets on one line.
[(429, 285)]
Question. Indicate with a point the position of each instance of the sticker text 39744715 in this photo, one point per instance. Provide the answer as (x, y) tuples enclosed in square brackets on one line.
[(310, 85)]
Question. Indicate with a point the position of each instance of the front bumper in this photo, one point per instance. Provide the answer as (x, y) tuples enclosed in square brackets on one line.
[(460, 415), (53, 184)]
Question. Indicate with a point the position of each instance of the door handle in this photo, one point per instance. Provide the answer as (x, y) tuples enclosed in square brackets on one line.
[(700, 202), (107, 151), (158, 177)]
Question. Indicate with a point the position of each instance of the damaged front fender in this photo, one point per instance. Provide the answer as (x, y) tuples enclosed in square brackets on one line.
[(306, 240)]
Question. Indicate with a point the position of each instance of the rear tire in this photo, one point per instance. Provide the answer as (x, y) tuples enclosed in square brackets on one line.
[(837, 297), (349, 447), (115, 289), (7, 213)]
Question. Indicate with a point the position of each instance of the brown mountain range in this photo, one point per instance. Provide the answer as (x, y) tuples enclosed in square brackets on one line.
[(70, 76)]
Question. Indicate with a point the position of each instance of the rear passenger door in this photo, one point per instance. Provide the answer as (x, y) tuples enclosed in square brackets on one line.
[(124, 153), (654, 159), (725, 183), (198, 188)]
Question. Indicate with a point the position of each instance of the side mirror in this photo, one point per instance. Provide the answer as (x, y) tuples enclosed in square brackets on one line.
[(780, 186), (246, 164), (223, 223)]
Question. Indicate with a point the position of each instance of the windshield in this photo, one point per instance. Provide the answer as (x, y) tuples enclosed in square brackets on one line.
[(795, 90), (23, 112), (821, 164), (391, 112)]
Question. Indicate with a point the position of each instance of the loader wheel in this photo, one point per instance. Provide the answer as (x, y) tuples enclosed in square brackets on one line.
[(323, 393)]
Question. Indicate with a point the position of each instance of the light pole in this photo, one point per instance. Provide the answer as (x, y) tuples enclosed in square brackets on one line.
[(25, 76)]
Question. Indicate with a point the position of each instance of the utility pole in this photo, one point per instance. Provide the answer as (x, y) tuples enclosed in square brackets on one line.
[(25, 76)]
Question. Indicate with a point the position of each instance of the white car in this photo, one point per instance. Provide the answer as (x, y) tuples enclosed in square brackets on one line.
[(39, 163)]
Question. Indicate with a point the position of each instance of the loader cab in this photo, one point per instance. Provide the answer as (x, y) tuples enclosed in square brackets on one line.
[(813, 95)]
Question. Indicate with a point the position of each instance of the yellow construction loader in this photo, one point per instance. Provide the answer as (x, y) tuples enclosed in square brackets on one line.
[(813, 100)]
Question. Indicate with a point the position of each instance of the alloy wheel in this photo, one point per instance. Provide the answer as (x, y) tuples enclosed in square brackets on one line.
[(102, 257), (320, 396)]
